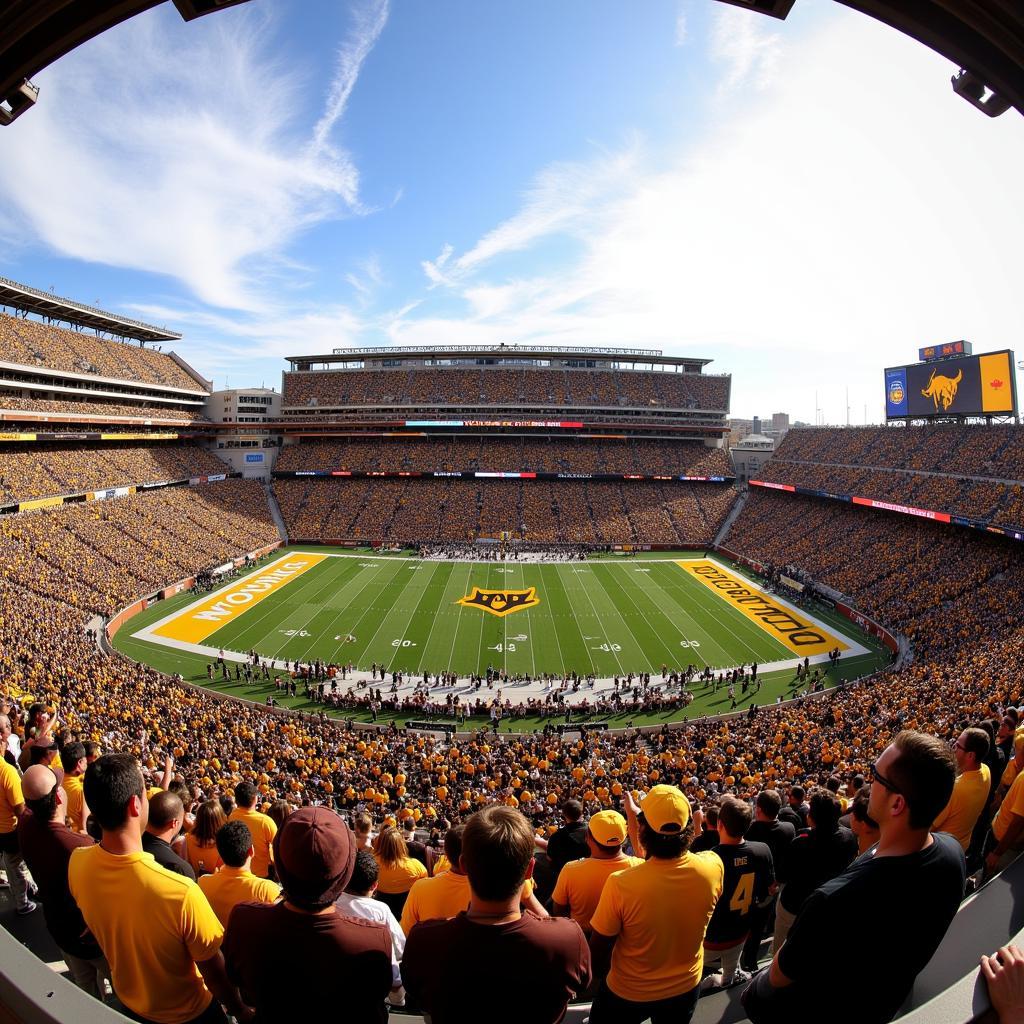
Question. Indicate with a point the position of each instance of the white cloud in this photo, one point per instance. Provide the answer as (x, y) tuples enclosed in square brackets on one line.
[(240, 346), (823, 229), (434, 269), (746, 47), (368, 24), (565, 199), (185, 159), (681, 27)]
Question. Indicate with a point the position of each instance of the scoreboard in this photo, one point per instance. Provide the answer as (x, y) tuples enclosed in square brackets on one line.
[(982, 385), (950, 348)]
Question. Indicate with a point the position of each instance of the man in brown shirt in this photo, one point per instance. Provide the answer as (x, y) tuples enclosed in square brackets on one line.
[(521, 967), (292, 959), (46, 843)]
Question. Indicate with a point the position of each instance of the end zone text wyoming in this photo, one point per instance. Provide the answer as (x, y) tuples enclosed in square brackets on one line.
[(797, 633)]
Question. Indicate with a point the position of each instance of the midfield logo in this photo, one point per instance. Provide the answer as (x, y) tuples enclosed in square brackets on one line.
[(501, 602)]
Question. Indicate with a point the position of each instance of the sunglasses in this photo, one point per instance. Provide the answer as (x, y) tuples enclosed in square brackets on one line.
[(883, 781)]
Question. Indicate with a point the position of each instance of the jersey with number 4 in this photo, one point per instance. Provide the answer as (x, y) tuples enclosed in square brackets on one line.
[(749, 874)]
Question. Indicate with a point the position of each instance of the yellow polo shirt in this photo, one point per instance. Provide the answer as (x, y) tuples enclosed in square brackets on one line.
[(10, 796), (1013, 803), (153, 926), (231, 886), (660, 911), (76, 802), (1010, 771), (442, 896), (263, 831), (581, 882), (960, 815)]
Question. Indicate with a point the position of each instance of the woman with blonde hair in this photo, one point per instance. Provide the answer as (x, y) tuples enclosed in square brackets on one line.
[(397, 869), (201, 842)]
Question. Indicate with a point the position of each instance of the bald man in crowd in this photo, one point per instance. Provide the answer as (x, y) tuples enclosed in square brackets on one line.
[(46, 844)]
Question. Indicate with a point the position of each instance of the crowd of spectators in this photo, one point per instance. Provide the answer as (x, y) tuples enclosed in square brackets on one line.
[(502, 387), (36, 344), (918, 577), (965, 449), (980, 466), (969, 661), (98, 556), (42, 470), (99, 410), (566, 512), (507, 455)]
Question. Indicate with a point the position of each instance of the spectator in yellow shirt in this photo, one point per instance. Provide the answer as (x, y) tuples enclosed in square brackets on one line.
[(260, 825), (397, 869), (12, 806), (1006, 837), (156, 928), (581, 882), (235, 883), (971, 789), (647, 934), (75, 764), (448, 894)]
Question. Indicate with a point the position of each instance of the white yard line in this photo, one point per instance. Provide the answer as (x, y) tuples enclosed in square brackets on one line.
[(405, 628), (674, 658), (458, 622), (600, 622)]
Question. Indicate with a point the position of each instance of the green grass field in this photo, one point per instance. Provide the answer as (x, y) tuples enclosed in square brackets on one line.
[(605, 616)]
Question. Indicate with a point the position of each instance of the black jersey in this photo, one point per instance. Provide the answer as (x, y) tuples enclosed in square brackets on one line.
[(749, 873)]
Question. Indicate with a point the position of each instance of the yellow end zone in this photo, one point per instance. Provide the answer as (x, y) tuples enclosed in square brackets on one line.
[(196, 623), (800, 635)]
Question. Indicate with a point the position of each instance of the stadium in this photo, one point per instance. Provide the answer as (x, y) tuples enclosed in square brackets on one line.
[(412, 588)]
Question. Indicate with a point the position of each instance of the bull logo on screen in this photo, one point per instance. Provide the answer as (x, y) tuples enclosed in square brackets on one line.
[(501, 602), (942, 389)]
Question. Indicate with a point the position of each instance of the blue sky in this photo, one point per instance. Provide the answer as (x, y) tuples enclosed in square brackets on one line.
[(802, 202)]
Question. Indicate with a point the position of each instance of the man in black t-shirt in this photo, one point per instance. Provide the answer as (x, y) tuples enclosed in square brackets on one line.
[(815, 856), (417, 850), (166, 814), (570, 841), (778, 836), (748, 878), (795, 811), (709, 837), (862, 915)]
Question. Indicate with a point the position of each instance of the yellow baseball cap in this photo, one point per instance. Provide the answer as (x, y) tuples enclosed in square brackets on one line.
[(608, 828), (666, 810)]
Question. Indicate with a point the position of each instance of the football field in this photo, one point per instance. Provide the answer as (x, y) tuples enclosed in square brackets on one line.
[(604, 617)]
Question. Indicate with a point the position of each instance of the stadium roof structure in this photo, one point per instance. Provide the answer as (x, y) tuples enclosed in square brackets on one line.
[(512, 351), (35, 33), (53, 307), (984, 38)]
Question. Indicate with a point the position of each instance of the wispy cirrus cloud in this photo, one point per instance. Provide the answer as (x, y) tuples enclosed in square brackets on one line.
[(176, 160), (368, 23), (564, 199)]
